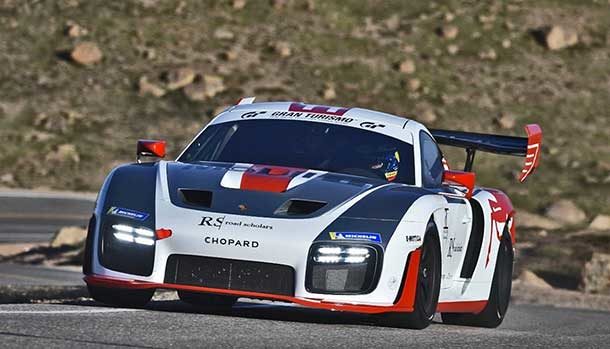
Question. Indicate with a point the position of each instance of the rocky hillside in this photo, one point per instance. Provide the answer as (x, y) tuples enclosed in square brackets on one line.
[(82, 80)]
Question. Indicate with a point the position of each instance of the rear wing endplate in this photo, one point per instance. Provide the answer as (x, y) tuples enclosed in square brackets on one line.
[(528, 147)]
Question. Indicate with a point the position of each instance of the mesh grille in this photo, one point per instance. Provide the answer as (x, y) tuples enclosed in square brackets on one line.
[(230, 274), (340, 278)]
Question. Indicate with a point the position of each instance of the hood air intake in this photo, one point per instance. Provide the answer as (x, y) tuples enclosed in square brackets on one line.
[(297, 207), (195, 197)]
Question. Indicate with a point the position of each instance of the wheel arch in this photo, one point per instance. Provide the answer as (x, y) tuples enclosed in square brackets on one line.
[(130, 186), (425, 209)]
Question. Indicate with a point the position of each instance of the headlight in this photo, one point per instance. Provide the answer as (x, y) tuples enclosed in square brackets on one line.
[(344, 268), (325, 254), (129, 247), (126, 233)]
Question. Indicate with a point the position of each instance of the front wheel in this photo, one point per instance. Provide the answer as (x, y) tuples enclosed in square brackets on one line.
[(120, 297), (428, 285), (499, 297)]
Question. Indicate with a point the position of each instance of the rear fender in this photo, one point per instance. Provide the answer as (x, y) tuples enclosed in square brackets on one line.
[(502, 212), (498, 213)]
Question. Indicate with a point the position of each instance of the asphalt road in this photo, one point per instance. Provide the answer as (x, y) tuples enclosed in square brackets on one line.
[(27, 216), (174, 324), (30, 275)]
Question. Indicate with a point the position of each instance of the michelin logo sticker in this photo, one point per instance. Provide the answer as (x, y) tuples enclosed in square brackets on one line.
[(127, 213), (374, 237)]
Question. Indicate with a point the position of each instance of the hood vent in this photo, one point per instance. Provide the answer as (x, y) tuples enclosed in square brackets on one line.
[(296, 207), (195, 197)]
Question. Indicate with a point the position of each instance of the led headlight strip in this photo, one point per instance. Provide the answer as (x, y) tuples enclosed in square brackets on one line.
[(341, 254), (142, 236)]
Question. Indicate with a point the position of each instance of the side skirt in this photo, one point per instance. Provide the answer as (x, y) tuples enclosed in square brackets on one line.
[(474, 307)]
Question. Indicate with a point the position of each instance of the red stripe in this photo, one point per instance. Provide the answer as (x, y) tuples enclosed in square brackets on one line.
[(534, 143), (407, 298), (474, 307), (502, 215), (268, 178)]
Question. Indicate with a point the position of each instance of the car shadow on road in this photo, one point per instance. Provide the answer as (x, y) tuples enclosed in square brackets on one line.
[(263, 311)]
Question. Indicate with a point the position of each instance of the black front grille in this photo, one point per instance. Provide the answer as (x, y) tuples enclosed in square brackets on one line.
[(230, 274)]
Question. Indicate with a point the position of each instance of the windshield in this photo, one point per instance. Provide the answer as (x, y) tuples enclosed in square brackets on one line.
[(307, 145)]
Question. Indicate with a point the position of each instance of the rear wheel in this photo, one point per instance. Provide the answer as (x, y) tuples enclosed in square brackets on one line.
[(428, 285), (120, 297), (207, 299), (499, 297)]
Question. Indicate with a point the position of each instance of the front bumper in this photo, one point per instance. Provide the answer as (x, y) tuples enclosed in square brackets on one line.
[(404, 302)]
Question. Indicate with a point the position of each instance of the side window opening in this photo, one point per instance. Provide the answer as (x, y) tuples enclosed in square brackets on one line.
[(431, 161)]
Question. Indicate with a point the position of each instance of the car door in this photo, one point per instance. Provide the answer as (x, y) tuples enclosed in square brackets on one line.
[(458, 214)]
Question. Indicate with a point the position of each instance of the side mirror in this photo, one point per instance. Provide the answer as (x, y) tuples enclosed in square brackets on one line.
[(464, 179), (151, 148)]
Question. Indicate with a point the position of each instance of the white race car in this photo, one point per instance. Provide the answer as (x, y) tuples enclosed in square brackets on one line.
[(343, 209)]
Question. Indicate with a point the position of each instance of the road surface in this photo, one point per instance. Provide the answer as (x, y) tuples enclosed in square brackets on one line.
[(30, 275), (174, 324), (33, 217), (27, 216)]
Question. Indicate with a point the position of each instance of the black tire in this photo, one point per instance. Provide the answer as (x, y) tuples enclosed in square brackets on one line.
[(121, 297), (207, 300), (428, 286), (499, 297)]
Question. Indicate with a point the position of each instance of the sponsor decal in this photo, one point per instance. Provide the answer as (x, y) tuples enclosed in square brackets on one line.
[(318, 109), (368, 124), (231, 242), (446, 225), (413, 238), (453, 248), (252, 114), (248, 225), (219, 222), (128, 213), (215, 222), (311, 116), (345, 235)]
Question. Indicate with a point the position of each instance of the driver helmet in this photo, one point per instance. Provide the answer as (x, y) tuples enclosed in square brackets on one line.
[(387, 165)]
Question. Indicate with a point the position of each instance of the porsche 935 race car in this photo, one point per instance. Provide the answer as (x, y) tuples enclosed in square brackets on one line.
[(343, 209)]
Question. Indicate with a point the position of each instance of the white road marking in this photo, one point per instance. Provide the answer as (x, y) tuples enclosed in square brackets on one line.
[(47, 216), (16, 193), (87, 311)]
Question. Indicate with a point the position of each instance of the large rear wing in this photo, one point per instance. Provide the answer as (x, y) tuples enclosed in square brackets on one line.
[(528, 147)]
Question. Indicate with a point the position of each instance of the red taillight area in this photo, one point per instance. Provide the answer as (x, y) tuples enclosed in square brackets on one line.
[(163, 233)]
